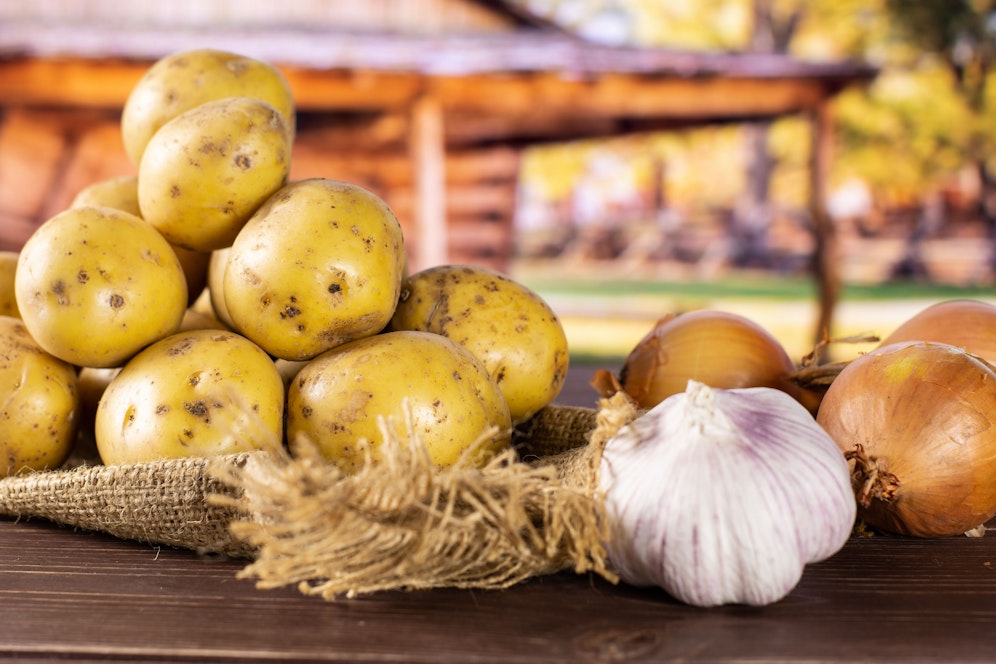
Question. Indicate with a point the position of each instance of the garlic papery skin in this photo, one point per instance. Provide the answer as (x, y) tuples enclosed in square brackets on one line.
[(723, 496)]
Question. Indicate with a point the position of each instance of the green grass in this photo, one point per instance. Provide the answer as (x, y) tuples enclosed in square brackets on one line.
[(622, 309), (791, 288)]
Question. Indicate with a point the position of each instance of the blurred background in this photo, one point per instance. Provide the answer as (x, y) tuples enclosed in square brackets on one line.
[(820, 166)]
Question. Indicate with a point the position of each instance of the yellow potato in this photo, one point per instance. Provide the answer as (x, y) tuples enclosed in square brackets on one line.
[(336, 399), (319, 265), (202, 304), (199, 320), (39, 403), (216, 285), (501, 321), (195, 270), (95, 285), (206, 171), (92, 383), (289, 368), (8, 268), (121, 193), (199, 393), (181, 81)]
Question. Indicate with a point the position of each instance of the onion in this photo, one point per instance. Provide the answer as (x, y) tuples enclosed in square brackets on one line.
[(968, 324), (915, 420), (720, 349)]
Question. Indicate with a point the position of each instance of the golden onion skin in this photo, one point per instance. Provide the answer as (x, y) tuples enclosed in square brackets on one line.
[(965, 323), (920, 416), (721, 349)]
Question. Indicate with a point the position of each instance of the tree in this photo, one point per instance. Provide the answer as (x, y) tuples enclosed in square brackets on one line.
[(773, 26), (960, 34)]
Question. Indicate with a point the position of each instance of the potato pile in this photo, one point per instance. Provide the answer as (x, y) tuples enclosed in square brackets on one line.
[(209, 305)]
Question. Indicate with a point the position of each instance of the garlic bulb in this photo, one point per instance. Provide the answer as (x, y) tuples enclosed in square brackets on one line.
[(723, 496)]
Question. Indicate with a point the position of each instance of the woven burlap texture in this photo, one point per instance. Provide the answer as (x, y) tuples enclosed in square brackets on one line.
[(401, 524), (162, 502)]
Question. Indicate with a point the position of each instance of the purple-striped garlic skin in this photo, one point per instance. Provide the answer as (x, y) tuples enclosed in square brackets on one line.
[(724, 496)]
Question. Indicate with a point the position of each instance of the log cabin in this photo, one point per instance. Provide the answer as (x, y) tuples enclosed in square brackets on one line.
[(428, 103)]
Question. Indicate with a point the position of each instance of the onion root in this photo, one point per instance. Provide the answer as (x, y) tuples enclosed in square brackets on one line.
[(872, 476)]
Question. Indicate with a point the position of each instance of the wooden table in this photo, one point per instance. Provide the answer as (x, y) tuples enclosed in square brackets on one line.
[(80, 596)]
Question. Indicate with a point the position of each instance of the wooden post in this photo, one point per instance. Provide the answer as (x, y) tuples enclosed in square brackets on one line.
[(428, 153), (826, 261)]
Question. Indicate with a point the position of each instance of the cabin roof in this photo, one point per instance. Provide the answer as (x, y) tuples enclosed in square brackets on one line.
[(526, 50)]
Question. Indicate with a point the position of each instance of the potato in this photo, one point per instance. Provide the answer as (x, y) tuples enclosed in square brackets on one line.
[(195, 270), (121, 193), (289, 368), (95, 285), (206, 171), (501, 321), (336, 399), (181, 81), (216, 285), (93, 381), (8, 268), (199, 393), (319, 265), (39, 403), (194, 319)]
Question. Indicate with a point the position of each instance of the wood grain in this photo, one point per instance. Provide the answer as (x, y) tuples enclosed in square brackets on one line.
[(74, 594), (78, 596)]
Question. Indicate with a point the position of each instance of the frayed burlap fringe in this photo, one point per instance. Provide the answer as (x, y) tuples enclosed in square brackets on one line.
[(163, 502), (403, 524), (399, 524)]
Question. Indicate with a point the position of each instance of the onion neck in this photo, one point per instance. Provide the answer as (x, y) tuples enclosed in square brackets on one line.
[(871, 478)]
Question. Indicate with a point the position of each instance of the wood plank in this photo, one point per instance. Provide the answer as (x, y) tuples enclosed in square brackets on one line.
[(15, 231), (32, 152), (541, 126), (98, 154), (83, 597), (474, 235), (497, 263), (73, 82), (826, 254), (429, 204), (77, 596), (485, 164), (494, 199), (107, 83), (45, 160), (428, 16), (627, 96), (348, 132), (487, 199), (312, 158)]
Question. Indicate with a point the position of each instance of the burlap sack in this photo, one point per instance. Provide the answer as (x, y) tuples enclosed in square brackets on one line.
[(401, 525), (164, 502)]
